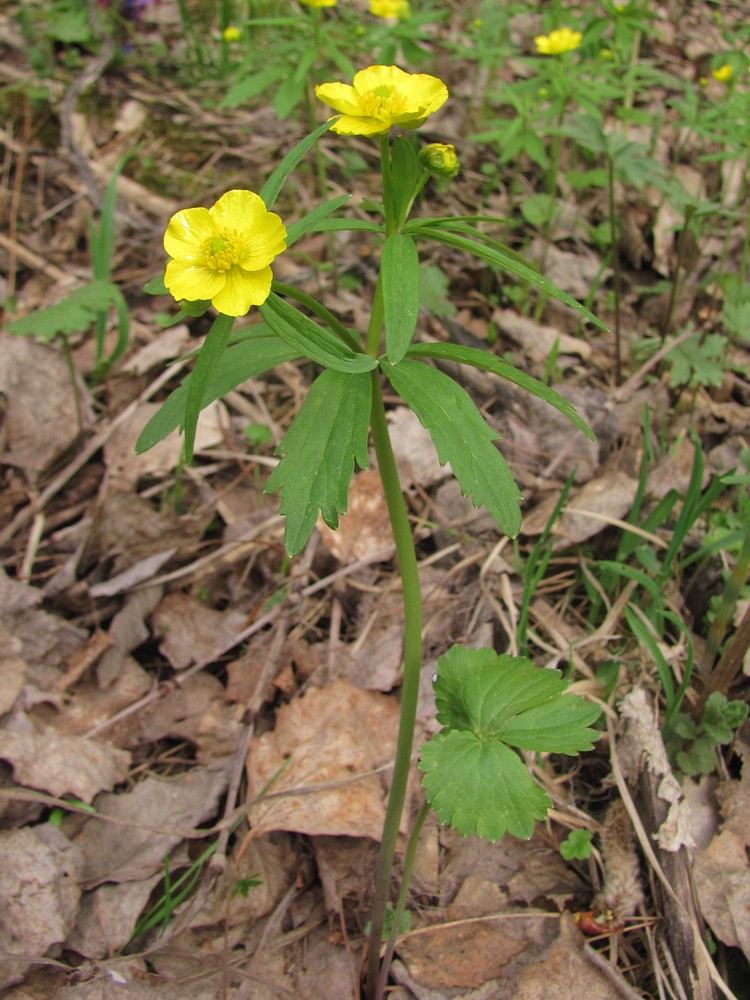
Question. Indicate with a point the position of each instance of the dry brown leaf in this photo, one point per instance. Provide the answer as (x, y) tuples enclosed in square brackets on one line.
[(126, 851), (365, 528), (191, 632), (590, 511), (272, 861), (128, 630), (573, 271), (641, 749), (41, 417), (195, 711), (414, 449), (560, 973), (39, 870), (91, 705), (537, 339), (126, 529), (721, 871), (108, 915), (48, 760), (12, 670), (471, 954), (46, 641), (126, 467), (167, 344), (323, 971), (345, 866), (331, 735)]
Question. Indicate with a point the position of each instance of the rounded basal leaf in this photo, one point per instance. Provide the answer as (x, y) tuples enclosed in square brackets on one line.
[(481, 786), (507, 698)]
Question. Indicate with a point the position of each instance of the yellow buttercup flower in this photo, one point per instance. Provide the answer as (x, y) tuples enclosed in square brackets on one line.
[(382, 96), (318, 3), (439, 158), (558, 41), (232, 34), (223, 253), (389, 8), (722, 73)]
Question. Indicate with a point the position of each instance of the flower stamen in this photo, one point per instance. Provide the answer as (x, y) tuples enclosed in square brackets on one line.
[(220, 253)]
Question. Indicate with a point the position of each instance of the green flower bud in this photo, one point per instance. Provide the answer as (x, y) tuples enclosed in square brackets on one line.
[(439, 159)]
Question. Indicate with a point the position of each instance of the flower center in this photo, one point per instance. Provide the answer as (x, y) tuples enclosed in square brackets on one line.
[(382, 102), (220, 253)]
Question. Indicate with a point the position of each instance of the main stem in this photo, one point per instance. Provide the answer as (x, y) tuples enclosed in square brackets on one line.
[(408, 568)]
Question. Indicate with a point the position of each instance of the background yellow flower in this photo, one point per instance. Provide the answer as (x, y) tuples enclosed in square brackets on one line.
[(389, 8), (557, 41), (722, 73), (223, 253), (382, 96), (318, 3)]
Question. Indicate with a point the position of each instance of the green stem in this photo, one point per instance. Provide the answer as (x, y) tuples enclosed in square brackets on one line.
[(409, 571), (678, 272), (615, 267), (409, 859)]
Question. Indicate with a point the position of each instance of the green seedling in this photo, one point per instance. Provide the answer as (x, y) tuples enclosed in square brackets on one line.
[(692, 745), (577, 845)]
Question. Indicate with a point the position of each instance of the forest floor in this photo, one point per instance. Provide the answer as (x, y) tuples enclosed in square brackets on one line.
[(195, 730)]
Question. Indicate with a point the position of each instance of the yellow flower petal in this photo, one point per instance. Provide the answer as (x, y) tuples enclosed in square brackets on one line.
[(187, 280), (383, 96), (187, 231), (339, 96), (558, 41), (223, 254), (242, 290), (358, 125)]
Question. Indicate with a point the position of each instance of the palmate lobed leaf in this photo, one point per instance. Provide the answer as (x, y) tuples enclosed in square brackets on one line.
[(507, 698), (481, 786), (328, 436), (487, 705)]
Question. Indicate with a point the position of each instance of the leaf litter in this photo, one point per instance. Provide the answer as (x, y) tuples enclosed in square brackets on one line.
[(162, 668)]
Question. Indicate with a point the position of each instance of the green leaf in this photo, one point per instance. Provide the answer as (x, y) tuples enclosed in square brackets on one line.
[(487, 704), (538, 209), (577, 845), (481, 787), (270, 191), (507, 261), (254, 355), (508, 698), (328, 436), (400, 277), (252, 86), (311, 222), (206, 365), (74, 314), (461, 437), (313, 341), (491, 363)]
